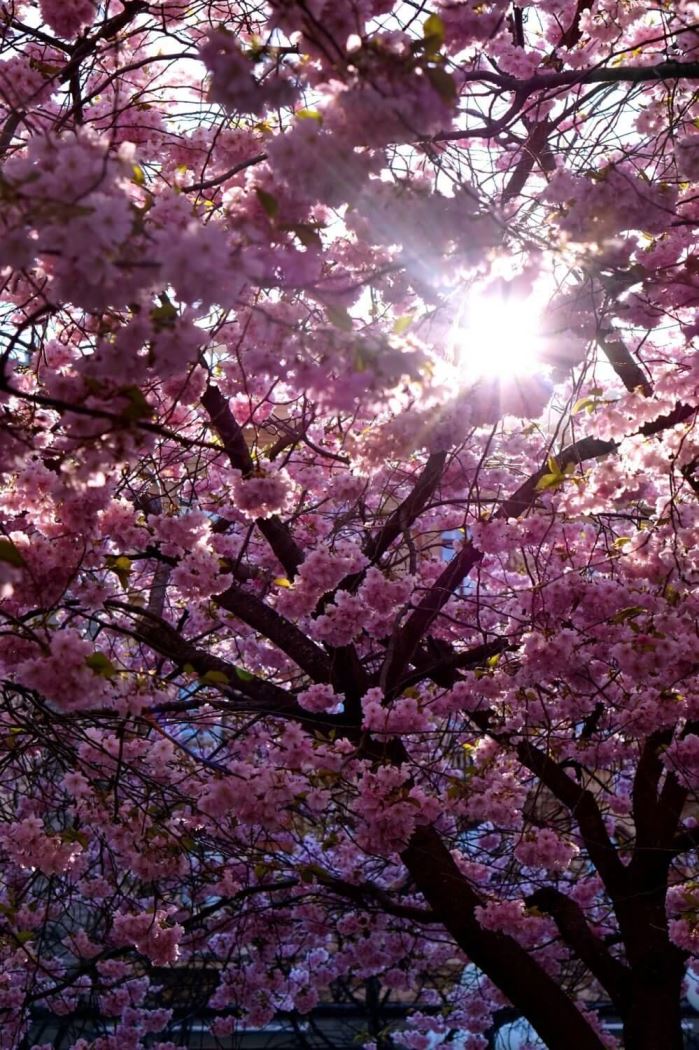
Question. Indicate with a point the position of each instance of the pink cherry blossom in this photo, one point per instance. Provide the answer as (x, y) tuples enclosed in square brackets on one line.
[(68, 17), (346, 652)]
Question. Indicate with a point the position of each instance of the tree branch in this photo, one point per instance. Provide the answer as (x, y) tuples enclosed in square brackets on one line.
[(468, 556), (512, 969), (410, 508), (631, 374), (276, 629), (573, 33), (567, 78), (443, 671), (585, 810), (590, 949), (365, 891), (164, 639), (216, 180), (277, 534)]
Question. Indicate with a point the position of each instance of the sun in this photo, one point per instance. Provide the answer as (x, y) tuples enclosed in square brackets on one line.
[(498, 335)]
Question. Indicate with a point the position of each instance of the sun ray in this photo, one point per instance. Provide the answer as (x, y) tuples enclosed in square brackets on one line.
[(498, 334)]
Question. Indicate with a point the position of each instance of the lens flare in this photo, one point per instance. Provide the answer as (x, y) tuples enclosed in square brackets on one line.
[(498, 335)]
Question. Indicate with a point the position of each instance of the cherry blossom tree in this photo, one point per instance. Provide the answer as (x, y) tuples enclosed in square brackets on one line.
[(349, 516)]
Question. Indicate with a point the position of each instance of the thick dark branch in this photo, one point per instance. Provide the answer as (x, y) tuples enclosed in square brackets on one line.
[(628, 370), (573, 33), (535, 149), (247, 694), (428, 609), (411, 507), (398, 521), (568, 78), (277, 534), (468, 556), (587, 448), (281, 632), (516, 23), (38, 34), (158, 590), (120, 420), (679, 414), (645, 794), (349, 676), (87, 45), (523, 498), (572, 77), (671, 803), (590, 949), (229, 431), (165, 640), (14, 119), (584, 809), (686, 841), (512, 969), (443, 670), (670, 70)]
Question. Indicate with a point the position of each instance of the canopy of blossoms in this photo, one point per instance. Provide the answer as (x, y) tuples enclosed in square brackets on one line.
[(349, 517)]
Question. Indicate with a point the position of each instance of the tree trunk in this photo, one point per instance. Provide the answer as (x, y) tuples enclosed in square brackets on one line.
[(653, 1020), (513, 970)]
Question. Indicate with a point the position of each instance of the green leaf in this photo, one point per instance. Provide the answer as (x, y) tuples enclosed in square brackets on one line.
[(442, 82), (549, 481), (402, 324), (163, 316), (630, 613), (47, 69), (74, 835), (309, 114), (339, 317), (433, 35), (9, 553), (243, 675), (138, 407), (585, 403), (306, 232), (269, 202), (433, 26), (310, 872), (215, 678), (101, 665), (121, 567)]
